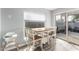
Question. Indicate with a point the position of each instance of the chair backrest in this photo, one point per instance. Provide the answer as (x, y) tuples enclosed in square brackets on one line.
[(10, 37)]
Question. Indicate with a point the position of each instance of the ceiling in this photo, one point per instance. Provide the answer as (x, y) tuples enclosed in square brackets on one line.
[(74, 12), (51, 8)]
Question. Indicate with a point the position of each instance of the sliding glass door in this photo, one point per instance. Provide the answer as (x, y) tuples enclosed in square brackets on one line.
[(73, 27), (61, 26), (68, 26)]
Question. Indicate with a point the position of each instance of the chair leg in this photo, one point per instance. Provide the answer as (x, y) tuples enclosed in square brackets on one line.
[(17, 46)]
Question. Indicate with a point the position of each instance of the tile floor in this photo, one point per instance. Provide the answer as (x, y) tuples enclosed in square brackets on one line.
[(62, 45)]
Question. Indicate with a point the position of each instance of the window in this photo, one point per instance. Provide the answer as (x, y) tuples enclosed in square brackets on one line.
[(58, 17), (70, 18)]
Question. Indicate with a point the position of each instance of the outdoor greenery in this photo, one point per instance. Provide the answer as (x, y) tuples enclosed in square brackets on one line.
[(76, 17), (73, 18)]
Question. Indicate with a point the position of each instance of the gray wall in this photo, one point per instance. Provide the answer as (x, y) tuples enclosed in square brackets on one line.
[(0, 22), (0, 28), (48, 19), (12, 21), (52, 19)]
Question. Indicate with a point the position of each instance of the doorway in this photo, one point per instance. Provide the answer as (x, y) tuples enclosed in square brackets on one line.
[(68, 26), (61, 25), (73, 27)]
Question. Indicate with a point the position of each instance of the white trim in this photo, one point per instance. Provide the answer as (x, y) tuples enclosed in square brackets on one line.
[(66, 19), (66, 11), (23, 26)]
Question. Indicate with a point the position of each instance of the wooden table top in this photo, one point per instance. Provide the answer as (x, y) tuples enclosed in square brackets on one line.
[(42, 29)]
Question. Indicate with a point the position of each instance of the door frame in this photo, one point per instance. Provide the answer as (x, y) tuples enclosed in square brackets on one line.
[(66, 20)]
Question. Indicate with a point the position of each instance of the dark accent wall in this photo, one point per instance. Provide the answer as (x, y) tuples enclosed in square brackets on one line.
[(34, 24)]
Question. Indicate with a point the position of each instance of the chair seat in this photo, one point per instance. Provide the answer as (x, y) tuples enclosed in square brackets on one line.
[(11, 47), (10, 44)]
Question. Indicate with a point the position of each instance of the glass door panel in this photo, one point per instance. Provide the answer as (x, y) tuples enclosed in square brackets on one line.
[(73, 27), (61, 27)]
